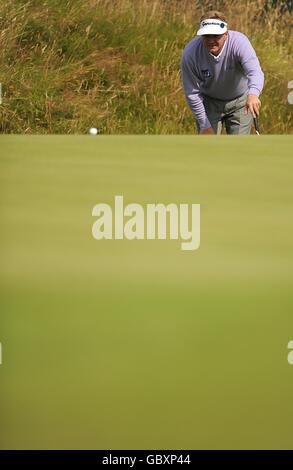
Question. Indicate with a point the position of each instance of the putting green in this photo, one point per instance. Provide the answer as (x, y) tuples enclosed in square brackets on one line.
[(138, 344)]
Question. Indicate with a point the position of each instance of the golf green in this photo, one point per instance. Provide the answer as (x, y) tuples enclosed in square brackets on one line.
[(128, 344)]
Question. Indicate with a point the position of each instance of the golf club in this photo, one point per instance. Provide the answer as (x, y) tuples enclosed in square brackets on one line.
[(256, 125)]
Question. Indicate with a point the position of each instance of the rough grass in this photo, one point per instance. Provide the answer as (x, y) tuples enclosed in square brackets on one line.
[(67, 65)]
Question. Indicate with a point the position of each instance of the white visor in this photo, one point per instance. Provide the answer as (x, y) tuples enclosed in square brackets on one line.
[(212, 26)]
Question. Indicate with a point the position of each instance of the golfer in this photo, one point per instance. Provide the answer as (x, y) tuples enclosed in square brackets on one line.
[(222, 78)]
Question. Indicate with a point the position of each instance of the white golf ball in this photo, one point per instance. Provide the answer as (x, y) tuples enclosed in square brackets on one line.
[(93, 131)]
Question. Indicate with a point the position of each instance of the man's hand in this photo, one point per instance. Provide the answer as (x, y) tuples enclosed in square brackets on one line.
[(253, 104), (207, 131)]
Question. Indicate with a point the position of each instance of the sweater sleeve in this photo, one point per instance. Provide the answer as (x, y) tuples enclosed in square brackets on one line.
[(251, 67), (192, 93)]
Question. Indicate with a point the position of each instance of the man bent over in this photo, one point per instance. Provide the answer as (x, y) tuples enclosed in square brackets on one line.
[(222, 78)]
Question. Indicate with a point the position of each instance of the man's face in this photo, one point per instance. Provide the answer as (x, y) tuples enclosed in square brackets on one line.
[(214, 42)]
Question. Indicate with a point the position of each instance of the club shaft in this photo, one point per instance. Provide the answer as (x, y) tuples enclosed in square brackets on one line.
[(256, 125)]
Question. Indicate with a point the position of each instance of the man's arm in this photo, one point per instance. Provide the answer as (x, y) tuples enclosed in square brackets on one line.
[(252, 69), (193, 96)]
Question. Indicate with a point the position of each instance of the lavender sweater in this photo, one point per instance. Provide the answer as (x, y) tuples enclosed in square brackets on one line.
[(234, 72)]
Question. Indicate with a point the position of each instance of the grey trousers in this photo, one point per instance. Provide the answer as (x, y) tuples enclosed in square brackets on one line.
[(229, 113)]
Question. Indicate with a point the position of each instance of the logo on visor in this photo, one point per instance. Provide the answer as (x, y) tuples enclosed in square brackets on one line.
[(211, 23)]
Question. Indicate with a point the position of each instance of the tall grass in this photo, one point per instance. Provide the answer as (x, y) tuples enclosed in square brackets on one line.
[(68, 65)]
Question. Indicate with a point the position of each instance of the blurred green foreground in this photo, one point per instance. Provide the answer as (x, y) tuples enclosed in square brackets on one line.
[(137, 344)]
